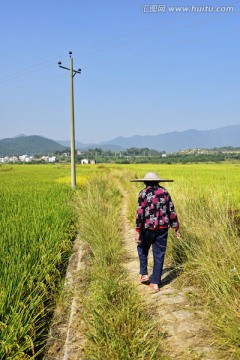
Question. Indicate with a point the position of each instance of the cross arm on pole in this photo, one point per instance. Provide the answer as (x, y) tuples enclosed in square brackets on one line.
[(63, 67), (78, 71)]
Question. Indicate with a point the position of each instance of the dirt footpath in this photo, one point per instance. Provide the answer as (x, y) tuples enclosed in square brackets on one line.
[(183, 331), (66, 336), (184, 335), (181, 325)]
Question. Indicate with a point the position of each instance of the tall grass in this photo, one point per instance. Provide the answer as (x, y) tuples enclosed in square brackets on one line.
[(117, 320), (209, 256), (207, 200), (37, 225)]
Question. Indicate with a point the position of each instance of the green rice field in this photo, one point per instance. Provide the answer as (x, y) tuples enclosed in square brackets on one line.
[(38, 223)]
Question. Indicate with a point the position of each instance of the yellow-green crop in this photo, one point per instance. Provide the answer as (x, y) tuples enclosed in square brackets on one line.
[(37, 224), (36, 229), (207, 201)]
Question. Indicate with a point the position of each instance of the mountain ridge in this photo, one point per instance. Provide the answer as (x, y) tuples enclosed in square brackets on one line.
[(176, 141), (30, 145), (169, 142)]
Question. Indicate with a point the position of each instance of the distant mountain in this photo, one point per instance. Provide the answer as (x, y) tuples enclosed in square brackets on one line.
[(29, 145), (20, 135), (67, 143), (103, 146), (175, 141), (172, 141), (169, 142)]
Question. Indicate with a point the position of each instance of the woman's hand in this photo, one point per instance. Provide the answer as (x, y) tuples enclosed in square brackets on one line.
[(137, 238), (177, 233)]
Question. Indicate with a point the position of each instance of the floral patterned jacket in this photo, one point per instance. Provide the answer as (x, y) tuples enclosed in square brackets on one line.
[(155, 209)]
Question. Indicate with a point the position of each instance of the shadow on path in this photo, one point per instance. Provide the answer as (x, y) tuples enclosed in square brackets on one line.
[(170, 273)]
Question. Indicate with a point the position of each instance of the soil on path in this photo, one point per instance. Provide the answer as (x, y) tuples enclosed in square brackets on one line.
[(66, 336), (184, 336), (182, 325)]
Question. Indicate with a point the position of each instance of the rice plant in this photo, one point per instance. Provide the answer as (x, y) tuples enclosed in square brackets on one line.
[(37, 226)]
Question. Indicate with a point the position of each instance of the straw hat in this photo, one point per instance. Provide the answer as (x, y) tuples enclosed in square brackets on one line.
[(151, 176)]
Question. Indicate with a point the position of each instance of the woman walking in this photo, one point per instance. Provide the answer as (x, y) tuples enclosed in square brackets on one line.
[(155, 215)]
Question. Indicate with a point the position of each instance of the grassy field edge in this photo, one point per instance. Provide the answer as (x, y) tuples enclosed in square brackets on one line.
[(116, 325)]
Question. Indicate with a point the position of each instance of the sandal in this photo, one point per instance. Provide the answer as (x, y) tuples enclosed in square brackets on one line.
[(153, 287), (144, 278)]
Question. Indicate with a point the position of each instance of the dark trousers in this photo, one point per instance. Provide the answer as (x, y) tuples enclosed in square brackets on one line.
[(158, 240)]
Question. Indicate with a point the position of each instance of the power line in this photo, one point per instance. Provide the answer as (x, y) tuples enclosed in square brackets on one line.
[(30, 83), (147, 37), (164, 48), (147, 29), (31, 69), (129, 56)]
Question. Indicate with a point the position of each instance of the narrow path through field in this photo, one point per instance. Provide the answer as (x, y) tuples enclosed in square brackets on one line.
[(182, 326), (66, 337), (183, 331)]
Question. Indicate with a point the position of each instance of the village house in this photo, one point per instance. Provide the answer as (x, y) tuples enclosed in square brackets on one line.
[(50, 159), (87, 161), (25, 158)]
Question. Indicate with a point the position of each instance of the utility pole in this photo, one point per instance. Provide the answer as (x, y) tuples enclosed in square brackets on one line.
[(72, 127)]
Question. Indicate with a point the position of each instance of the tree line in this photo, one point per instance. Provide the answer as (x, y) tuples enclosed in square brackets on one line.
[(145, 155)]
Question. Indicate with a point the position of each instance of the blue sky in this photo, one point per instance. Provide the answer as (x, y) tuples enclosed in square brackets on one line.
[(148, 67)]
